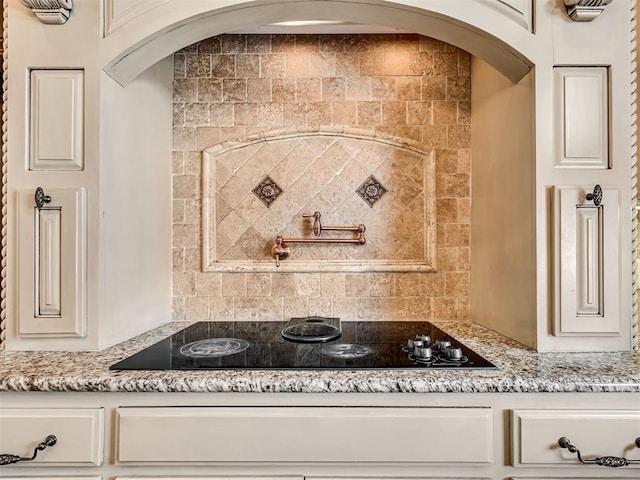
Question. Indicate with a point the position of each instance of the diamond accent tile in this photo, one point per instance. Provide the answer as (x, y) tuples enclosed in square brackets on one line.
[(371, 190), (267, 191)]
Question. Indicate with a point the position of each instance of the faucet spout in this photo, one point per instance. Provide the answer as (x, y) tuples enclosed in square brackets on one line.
[(280, 250)]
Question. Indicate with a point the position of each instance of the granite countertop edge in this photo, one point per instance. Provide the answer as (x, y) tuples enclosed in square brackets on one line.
[(520, 370)]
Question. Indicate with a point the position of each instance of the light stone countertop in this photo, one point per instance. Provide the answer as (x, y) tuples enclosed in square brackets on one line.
[(519, 370)]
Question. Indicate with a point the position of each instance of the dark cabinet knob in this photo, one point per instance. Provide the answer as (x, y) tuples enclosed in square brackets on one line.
[(41, 198)]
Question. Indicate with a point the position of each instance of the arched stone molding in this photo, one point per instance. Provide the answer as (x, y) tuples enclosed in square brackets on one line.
[(480, 28), (411, 247)]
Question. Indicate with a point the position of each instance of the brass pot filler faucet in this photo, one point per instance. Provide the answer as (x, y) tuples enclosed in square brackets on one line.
[(281, 249)]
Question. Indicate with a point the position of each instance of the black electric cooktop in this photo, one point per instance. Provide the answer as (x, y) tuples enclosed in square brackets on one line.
[(306, 343)]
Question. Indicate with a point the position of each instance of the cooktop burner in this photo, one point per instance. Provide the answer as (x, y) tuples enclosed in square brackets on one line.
[(262, 345)]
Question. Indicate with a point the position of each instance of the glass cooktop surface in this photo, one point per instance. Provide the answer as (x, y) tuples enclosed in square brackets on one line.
[(263, 345)]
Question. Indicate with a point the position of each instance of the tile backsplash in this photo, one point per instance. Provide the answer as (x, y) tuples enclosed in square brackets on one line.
[(321, 93)]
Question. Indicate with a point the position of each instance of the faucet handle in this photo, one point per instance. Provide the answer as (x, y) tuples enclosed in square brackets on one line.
[(317, 226)]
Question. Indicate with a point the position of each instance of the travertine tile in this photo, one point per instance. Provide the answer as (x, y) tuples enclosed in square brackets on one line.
[(198, 66), (234, 284), (394, 113), (209, 90), (234, 44), (283, 89), (209, 284), (445, 112), (184, 284), (369, 113), (319, 306), (307, 284), (197, 308), (358, 88), (322, 65), (246, 308), (272, 65), (458, 88), (248, 66), (222, 114), (221, 308), (245, 114), (405, 86), (259, 284), (234, 90), (308, 90), (271, 308), (458, 136), (343, 113), (296, 307), (196, 114), (185, 236), (258, 43), (409, 88), (347, 64), (283, 43)]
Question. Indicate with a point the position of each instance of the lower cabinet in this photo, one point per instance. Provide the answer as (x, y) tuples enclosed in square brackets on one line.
[(318, 437)]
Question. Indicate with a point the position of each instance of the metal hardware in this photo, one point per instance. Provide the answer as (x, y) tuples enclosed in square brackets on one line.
[(318, 228), (281, 250), (8, 459), (41, 198), (596, 196), (607, 461)]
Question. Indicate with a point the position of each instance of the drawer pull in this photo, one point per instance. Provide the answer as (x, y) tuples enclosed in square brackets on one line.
[(8, 459), (607, 461)]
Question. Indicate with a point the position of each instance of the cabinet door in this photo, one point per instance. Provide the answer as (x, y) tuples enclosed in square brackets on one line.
[(52, 255), (587, 262)]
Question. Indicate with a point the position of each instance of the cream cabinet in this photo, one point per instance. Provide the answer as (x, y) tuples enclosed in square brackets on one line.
[(52, 257), (595, 433), (304, 434), (266, 436), (79, 435)]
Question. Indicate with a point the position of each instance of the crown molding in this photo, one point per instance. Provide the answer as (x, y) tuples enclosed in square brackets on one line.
[(51, 12)]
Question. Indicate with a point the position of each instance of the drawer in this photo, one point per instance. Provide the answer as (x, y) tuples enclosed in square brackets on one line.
[(596, 433), (304, 434), (79, 433)]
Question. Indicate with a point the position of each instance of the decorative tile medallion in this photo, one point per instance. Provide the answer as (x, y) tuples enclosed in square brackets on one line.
[(267, 191), (371, 190)]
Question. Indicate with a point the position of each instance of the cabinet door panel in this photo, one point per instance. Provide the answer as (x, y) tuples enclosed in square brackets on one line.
[(57, 116), (587, 262), (52, 264)]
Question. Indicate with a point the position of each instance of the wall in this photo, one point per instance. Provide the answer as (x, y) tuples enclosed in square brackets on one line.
[(404, 86)]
